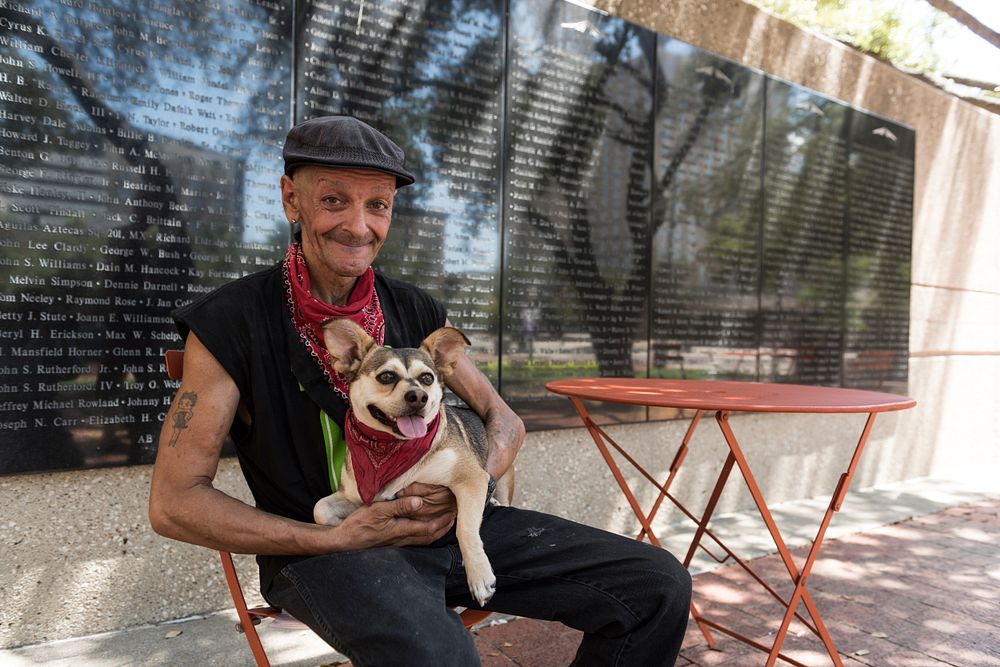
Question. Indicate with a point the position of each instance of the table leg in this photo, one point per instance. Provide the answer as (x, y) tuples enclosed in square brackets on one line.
[(598, 437), (675, 465), (713, 500), (610, 461), (798, 578), (706, 516)]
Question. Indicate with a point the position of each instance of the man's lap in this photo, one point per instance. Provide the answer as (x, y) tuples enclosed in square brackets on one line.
[(629, 598), (531, 553)]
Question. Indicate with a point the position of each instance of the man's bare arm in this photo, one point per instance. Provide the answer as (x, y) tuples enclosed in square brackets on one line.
[(504, 428), (184, 505)]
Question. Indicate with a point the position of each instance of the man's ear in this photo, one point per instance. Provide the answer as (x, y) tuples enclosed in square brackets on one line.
[(290, 199), (446, 346), (347, 344)]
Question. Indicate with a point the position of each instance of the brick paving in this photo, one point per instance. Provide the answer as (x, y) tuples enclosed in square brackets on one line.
[(919, 593)]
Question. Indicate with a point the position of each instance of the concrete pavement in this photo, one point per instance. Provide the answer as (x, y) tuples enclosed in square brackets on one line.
[(211, 639)]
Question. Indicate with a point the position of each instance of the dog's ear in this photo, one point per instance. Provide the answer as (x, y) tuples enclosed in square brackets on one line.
[(446, 346), (347, 344)]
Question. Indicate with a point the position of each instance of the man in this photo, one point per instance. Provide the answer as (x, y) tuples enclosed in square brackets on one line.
[(378, 586)]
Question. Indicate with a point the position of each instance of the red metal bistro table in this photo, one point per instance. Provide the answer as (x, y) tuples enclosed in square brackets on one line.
[(724, 398)]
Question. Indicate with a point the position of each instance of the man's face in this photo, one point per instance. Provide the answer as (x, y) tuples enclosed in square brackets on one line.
[(345, 216)]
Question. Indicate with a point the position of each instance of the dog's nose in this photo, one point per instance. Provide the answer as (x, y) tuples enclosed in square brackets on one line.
[(416, 398)]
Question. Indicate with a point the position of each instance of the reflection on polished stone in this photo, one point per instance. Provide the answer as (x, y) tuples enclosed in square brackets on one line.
[(706, 215), (879, 234), (805, 207), (577, 216), (139, 171), (428, 74), (651, 213)]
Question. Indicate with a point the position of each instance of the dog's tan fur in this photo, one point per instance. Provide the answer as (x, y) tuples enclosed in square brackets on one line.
[(457, 457)]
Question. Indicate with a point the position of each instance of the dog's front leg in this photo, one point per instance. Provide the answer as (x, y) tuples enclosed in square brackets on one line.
[(471, 497), (333, 509)]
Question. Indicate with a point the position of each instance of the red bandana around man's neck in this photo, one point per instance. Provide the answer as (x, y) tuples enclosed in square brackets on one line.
[(308, 313), (378, 457)]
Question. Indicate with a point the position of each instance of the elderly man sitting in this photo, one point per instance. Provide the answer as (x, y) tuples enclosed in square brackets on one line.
[(378, 586)]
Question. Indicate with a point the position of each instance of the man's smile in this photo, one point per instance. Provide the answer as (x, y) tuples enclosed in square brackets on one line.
[(349, 240)]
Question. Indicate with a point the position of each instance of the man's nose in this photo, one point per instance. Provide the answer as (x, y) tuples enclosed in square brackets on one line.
[(355, 220)]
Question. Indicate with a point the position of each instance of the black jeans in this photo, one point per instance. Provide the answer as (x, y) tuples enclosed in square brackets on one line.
[(389, 606)]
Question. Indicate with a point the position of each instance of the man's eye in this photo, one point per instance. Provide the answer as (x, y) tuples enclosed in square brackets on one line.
[(426, 379), (386, 377), (331, 201), (378, 205)]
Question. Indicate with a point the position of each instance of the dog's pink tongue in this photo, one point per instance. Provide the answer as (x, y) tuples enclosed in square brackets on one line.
[(411, 427)]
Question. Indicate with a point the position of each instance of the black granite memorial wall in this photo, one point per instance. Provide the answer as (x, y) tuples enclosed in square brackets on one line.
[(138, 173), (803, 269), (577, 182), (592, 199), (706, 215), (430, 75), (879, 233)]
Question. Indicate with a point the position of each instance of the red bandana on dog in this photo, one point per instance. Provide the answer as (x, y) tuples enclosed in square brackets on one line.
[(308, 313), (378, 457)]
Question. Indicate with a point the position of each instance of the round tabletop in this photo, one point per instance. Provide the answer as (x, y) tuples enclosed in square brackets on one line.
[(734, 396)]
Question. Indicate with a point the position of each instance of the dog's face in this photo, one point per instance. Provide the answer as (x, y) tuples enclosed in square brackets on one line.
[(398, 391)]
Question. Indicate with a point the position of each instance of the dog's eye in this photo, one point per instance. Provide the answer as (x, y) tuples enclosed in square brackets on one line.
[(426, 379), (386, 377)]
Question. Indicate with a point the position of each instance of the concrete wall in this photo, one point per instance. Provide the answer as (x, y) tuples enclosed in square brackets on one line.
[(78, 557)]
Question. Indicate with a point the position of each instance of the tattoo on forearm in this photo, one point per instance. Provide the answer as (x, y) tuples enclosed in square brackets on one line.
[(501, 432), (183, 414)]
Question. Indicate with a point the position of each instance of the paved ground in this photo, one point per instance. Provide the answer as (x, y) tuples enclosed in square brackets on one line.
[(920, 593), (895, 591)]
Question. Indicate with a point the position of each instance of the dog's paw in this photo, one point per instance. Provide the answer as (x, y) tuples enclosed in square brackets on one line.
[(332, 510), (482, 591), (482, 583), (325, 517)]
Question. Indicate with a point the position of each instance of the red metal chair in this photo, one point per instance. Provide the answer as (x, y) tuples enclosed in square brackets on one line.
[(251, 617)]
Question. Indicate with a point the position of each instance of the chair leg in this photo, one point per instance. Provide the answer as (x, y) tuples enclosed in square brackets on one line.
[(472, 616), (249, 629)]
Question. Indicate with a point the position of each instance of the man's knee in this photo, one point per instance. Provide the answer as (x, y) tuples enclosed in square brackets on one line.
[(675, 570), (399, 621), (669, 583)]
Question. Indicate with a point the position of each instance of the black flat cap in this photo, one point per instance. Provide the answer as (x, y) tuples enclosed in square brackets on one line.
[(343, 141)]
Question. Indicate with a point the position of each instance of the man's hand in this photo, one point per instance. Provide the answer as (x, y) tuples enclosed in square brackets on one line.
[(420, 515), (437, 500)]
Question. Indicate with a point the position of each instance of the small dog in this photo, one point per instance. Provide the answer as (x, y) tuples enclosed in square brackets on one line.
[(395, 395)]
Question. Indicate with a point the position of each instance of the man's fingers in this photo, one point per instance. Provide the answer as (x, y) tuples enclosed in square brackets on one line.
[(425, 532), (436, 499), (415, 507), (410, 520), (421, 489), (404, 506)]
